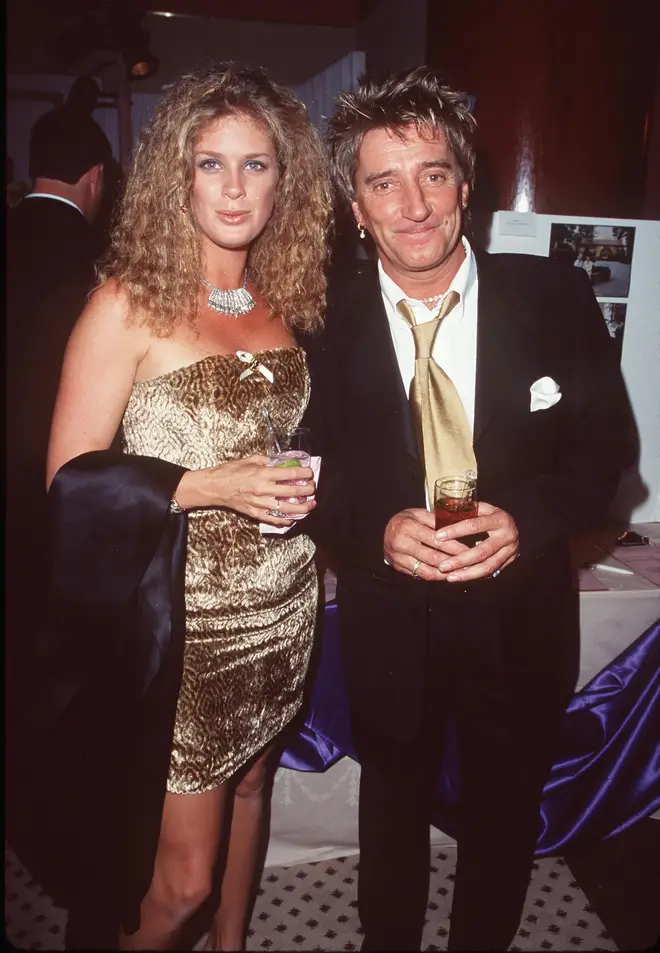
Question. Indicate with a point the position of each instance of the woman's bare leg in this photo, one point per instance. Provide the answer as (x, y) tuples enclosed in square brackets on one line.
[(186, 855), (245, 839)]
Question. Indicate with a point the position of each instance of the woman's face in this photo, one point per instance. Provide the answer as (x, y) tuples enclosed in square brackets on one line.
[(235, 179)]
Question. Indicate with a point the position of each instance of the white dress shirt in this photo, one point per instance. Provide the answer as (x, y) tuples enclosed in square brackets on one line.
[(57, 198), (455, 345)]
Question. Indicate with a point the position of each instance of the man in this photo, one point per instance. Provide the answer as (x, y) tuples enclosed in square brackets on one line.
[(51, 250), (437, 634)]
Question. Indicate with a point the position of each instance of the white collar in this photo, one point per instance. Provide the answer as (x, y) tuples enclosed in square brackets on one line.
[(58, 198), (461, 282)]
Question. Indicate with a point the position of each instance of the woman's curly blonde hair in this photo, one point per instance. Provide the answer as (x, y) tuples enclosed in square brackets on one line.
[(155, 254)]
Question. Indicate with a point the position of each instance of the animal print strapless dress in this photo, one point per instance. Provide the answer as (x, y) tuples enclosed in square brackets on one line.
[(251, 600)]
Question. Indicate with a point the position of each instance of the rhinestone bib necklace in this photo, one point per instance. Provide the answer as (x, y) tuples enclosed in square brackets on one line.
[(235, 302)]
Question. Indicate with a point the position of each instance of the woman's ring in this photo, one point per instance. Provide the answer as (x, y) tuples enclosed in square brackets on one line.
[(278, 514), (415, 568)]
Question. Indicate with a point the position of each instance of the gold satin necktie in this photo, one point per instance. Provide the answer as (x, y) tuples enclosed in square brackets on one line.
[(444, 435)]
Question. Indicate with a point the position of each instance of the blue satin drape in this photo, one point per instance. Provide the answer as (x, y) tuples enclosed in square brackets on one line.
[(607, 773)]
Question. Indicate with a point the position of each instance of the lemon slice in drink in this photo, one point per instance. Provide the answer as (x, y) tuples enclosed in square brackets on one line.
[(289, 463)]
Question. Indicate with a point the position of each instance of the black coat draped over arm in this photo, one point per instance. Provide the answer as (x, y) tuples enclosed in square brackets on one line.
[(90, 740)]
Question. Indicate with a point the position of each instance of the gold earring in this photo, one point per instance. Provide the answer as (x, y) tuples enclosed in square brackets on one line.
[(361, 230)]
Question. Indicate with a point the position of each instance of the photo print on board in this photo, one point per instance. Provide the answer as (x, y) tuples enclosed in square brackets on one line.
[(615, 321), (604, 252)]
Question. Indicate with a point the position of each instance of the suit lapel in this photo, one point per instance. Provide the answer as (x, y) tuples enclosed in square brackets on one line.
[(375, 393), (506, 343), (380, 371)]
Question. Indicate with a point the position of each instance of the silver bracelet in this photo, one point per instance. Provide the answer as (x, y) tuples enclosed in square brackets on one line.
[(174, 506)]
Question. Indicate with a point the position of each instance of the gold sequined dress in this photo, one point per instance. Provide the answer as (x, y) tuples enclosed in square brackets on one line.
[(250, 599)]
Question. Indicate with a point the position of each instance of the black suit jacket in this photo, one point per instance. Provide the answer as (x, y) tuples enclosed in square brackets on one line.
[(51, 251), (555, 471)]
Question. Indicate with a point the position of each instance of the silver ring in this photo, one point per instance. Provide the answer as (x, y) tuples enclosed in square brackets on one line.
[(278, 514), (493, 575), (415, 568)]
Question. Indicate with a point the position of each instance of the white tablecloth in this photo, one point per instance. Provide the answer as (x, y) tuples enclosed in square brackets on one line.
[(314, 815)]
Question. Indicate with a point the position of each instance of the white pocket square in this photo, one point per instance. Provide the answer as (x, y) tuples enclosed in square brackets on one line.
[(545, 393)]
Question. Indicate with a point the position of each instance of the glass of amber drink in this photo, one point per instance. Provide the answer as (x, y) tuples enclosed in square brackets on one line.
[(455, 500)]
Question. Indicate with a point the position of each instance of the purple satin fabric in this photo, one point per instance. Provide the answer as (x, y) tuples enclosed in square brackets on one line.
[(326, 734), (607, 774)]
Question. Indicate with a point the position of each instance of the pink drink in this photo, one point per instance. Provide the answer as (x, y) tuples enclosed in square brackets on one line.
[(292, 459), (282, 459)]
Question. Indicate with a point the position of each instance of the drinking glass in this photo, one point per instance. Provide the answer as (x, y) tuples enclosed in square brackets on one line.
[(295, 450), (455, 499)]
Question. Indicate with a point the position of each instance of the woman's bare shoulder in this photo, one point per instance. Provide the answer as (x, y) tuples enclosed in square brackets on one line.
[(111, 301), (109, 315)]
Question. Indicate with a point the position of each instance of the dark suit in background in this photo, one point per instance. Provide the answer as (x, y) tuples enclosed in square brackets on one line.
[(50, 270), (51, 250), (497, 659)]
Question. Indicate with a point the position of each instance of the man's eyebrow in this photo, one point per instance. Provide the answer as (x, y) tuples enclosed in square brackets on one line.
[(437, 164), (375, 176), (428, 164)]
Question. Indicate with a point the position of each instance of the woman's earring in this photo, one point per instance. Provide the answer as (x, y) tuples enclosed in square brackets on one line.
[(183, 209), (362, 230)]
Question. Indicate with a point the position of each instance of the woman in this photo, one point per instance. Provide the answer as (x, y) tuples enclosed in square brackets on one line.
[(217, 257)]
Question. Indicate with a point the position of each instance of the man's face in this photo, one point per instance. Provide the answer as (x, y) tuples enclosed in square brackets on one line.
[(409, 197)]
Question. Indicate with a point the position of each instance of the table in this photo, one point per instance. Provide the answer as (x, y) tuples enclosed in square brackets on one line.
[(314, 814), (613, 617)]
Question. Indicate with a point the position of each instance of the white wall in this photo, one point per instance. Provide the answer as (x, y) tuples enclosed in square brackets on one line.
[(319, 92), (291, 53)]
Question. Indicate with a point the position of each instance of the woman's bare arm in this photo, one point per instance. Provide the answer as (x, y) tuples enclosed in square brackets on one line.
[(99, 369)]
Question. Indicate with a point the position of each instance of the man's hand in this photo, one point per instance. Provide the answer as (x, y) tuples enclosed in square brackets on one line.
[(411, 545), (487, 557)]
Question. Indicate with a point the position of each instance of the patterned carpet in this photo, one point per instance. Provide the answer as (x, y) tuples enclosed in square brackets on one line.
[(313, 907)]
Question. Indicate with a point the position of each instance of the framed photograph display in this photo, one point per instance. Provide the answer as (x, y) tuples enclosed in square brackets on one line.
[(621, 258)]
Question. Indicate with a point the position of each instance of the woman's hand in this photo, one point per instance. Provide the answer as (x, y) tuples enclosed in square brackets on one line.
[(251, 487)]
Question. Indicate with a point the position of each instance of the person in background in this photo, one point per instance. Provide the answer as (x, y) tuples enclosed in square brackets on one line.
[(51, 252), (437, 360), (584, 262)]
